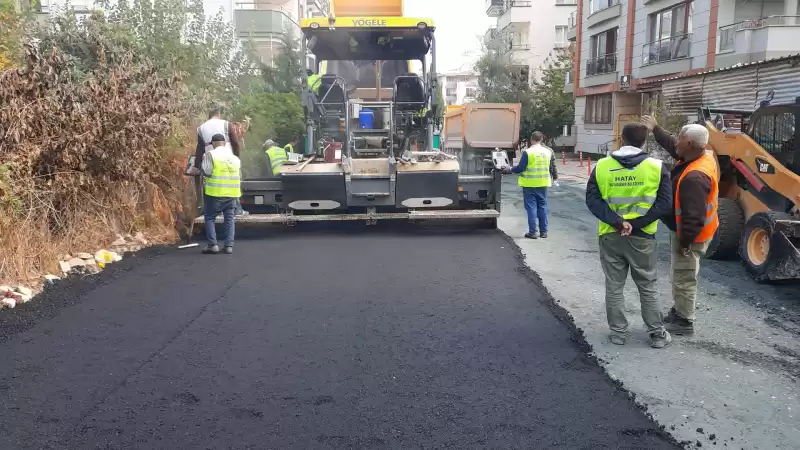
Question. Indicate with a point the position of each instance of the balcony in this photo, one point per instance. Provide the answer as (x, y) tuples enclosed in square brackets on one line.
[(572, 23), (494, 8), (515, 12), (259, 23), (602, 11), (601, 65), (665, 56), (758, 39), (601, 70), (566, 2)]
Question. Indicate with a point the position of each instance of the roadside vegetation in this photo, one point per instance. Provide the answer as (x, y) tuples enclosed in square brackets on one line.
[(98, 117), (545, 105)]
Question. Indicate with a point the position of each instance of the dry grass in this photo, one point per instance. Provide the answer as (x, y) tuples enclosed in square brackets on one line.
[(85, 160)]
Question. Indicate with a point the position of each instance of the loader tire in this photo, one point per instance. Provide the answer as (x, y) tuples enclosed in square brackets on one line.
[(760, 247), (725, 243)]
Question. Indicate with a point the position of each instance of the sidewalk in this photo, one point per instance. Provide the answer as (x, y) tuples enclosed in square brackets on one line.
[(732, 385)]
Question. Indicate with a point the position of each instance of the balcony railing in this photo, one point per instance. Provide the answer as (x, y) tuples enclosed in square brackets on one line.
[(518, 3), (601, 64), (517, 47), (668, 49), (566, 2), (599, 5), (727, 34), (573, 19)]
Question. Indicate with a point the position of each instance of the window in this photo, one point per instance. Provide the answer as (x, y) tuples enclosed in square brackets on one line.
[(604, 53), (561, 34), (598, 109), (669, 32), (672, 22), (599, 5), (471, 91), (451, 92)]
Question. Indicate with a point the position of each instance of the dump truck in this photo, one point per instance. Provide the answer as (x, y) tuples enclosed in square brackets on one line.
[(478, 133), (369, 137), (759, 188)]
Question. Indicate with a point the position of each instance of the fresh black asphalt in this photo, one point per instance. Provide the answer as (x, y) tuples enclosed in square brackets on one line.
[(310, 340)]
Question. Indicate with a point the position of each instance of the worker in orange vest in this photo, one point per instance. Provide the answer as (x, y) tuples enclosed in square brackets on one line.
[(693, 222)]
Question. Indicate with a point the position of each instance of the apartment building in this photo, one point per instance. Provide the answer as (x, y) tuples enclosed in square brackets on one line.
[(266, 22), (528, 30), (627, 49), (459, 88)]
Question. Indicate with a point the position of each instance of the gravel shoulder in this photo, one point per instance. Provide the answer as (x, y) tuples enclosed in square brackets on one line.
[(734, 384)]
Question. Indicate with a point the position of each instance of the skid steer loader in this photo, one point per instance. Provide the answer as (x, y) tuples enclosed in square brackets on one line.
[(759, 189)]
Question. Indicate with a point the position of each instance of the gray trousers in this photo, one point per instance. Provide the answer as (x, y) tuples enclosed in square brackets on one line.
[(618, 256), (684, 275)]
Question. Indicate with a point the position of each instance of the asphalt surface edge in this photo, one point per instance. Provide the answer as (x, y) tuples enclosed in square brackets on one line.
[(69, 291), (579, 338)]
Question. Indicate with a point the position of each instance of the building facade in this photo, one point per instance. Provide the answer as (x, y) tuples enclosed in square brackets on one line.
[(266, 23), (625, 49), (459, 88), (528, 30)]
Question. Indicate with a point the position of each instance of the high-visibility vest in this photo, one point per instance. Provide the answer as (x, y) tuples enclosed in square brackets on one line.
[(708, 165), (537, 172), (314, 82), (277, 156), (225, 179), (289, 148), (629, 192)]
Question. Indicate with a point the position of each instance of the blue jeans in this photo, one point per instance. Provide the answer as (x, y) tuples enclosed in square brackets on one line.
[(536, 207), (213, 206)]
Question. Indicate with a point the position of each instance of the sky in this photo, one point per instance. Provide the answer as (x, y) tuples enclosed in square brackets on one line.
[(459, 24)]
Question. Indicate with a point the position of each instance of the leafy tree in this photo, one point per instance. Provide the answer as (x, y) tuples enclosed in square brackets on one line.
[(173, 36), (545, 106), (553, 108), (499, 81), (285, 73), (12, 22)]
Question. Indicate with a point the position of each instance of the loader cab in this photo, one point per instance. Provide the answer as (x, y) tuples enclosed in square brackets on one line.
[(775, 128)]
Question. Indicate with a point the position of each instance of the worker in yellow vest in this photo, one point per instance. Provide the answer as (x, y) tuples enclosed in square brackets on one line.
[(290, 146), (537, 171), (629, 192), (222, 172), (276, 156), (314, 81)]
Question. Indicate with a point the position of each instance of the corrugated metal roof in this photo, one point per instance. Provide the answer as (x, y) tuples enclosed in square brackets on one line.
[(782, 80), (683, 97), (724, 69), (731, 90)]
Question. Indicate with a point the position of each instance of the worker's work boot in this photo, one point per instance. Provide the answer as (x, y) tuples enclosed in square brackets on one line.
[(617, 339), (543, 235), (677, 324), (211, 250), (229, 250), (660, 339), (531, 235)]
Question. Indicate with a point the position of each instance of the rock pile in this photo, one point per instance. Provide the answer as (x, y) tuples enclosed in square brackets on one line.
[(78, 263)]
